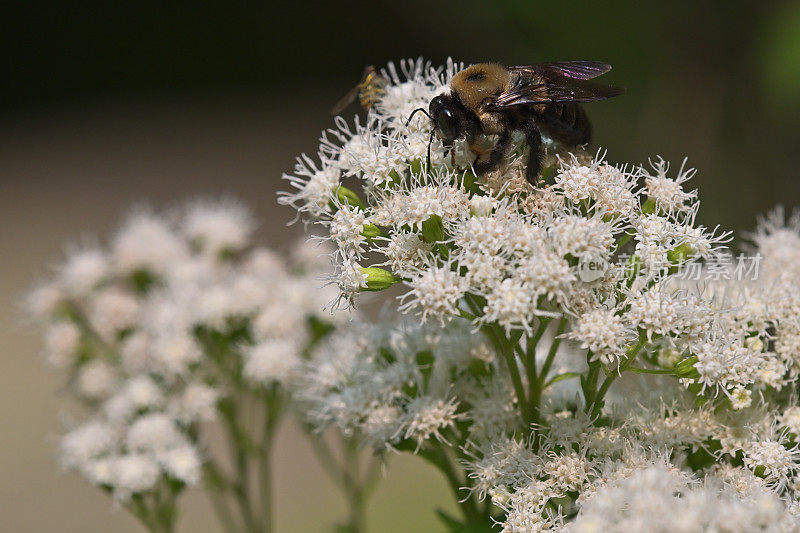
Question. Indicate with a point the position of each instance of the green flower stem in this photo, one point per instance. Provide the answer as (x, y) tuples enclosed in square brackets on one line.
[(660, 371), (539, 384), (498, 338), (530, 353), (597, 399), (139, 510), (506, 349), (238, 444), (347, 475), (156, 511), (548, 363), (439, 457), (218, 489), (356, 497), (273, 410)]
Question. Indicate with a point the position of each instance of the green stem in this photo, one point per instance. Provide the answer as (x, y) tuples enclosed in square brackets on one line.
[(562, 325), (498, 338), (356, 497), (272, 416), (439, 458), (221, 510), (237, 444), (539, 384), (137, 508), (630, 355), (661, 371)]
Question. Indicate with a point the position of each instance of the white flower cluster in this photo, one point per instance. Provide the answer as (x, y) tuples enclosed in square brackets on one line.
[(574, 282), (463, 245), (156, 328), (401, 386), (659, 498)]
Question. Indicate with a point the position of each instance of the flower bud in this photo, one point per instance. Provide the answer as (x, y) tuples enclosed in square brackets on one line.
[(346, 196), (378, 279)]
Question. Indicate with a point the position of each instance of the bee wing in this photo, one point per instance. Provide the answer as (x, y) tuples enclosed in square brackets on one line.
[(532, 85), (579, 70), (346, 100), (567, 90)]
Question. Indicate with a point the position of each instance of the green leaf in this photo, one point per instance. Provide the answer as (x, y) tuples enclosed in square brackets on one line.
[(649, 207), (679, 254), (686, 369), (370, 231), (433, 229), (562, 377)]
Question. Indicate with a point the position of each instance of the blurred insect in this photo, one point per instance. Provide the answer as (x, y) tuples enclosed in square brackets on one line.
[(489, 99), (369, 90)]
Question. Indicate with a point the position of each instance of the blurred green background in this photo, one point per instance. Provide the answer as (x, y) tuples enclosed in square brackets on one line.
[(107, 103)]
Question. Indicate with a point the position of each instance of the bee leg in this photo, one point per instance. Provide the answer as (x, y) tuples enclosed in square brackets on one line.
[(495, 156), (534, 140)]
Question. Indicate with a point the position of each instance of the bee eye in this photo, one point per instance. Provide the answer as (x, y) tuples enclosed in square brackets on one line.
[(447, 124)]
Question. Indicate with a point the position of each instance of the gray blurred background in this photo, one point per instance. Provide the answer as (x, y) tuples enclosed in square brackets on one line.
[(104, 104)]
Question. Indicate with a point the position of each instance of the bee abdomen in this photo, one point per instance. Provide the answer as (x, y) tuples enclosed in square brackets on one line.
[(566, 123)]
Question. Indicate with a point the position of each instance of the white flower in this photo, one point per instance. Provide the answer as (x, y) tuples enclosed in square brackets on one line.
[(153, 433), (427, 417), (346, 228), (510, 304), (43, 301), (406, 253), (578, 236), (315, 186), (175, 352), (183, 463), (134, 473), (146, 243), (112, 311), (413, 207), (668, 193), (83, 270), (603, 332), (96, 379), (790, 419), (218, 226), (197, 403), (435, 293), (62, 341), (271, 361), (350, 278), (86, 442), (773, 458), (142, 392)]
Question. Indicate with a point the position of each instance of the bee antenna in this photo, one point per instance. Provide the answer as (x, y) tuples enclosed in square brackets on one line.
[(430, 140), (415, 112)]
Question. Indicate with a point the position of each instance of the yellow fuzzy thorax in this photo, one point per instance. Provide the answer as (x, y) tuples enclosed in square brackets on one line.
[(478, 82)]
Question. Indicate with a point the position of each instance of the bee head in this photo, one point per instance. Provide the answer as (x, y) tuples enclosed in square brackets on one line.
[(446, 115)]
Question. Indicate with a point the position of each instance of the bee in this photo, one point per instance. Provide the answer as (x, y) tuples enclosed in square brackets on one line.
[(489, 99), (369, 90)]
